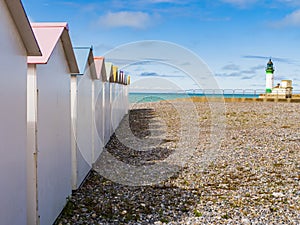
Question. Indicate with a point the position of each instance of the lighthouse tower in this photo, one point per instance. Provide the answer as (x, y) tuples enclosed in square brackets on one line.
[(269, 76)]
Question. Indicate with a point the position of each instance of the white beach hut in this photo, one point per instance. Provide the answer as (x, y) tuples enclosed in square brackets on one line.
[(113, 99), (99, 118), (49, 119), (127, 102), (123, 97), (120, 99), (16, 43), (117, 102), (82, 110), (108, 101)]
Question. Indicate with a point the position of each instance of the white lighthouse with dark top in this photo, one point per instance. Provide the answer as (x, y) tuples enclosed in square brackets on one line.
[(269, 77), (281, 90)]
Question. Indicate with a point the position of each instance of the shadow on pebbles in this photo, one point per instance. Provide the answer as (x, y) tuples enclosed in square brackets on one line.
[(253, 179)]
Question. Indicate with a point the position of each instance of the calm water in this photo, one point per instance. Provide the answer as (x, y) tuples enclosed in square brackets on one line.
[(155, 97)]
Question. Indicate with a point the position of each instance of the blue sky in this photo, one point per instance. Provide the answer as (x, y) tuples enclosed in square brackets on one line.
[(234, 38)]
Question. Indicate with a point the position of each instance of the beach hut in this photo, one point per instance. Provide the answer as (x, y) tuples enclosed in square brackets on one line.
[(49, 112), (123, 95), (17, 41), (127, 83), (99, 118), (82, 110), (125, 101), (108, 101), (120, 99), (113, 98)]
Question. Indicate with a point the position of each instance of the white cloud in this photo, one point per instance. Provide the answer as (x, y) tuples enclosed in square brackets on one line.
[(231, 67), (239, 3), (290, 2), (125, 19), (292, 19)]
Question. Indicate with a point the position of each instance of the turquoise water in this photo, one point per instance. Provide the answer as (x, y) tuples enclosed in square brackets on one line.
[(155, 97)]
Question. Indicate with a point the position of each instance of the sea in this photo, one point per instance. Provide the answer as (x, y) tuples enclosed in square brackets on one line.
[(155, 97)]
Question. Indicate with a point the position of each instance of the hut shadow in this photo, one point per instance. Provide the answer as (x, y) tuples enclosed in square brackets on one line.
[(114, 203), (140, 120), (136, 157), (144, 126)]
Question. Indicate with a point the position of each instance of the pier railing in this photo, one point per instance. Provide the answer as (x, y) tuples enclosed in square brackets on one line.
[(237, 93)]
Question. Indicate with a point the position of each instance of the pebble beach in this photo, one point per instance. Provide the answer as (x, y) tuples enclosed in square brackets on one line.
[(239, 165)]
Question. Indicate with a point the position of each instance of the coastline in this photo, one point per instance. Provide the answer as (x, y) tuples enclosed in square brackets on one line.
[(156, 97)]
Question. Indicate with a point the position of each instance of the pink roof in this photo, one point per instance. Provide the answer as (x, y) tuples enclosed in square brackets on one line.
[(48, 35), (100, 68)]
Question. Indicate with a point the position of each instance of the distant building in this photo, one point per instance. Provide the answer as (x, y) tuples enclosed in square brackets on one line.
[(281, 90), (284, 89)]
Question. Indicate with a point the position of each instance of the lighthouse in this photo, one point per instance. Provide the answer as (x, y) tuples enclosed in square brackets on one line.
[(269, 76)]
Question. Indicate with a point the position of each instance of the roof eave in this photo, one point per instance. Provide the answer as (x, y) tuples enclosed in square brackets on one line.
[(21, 21), (103, 71), (109, 71), (68, 48), (92, 65)]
